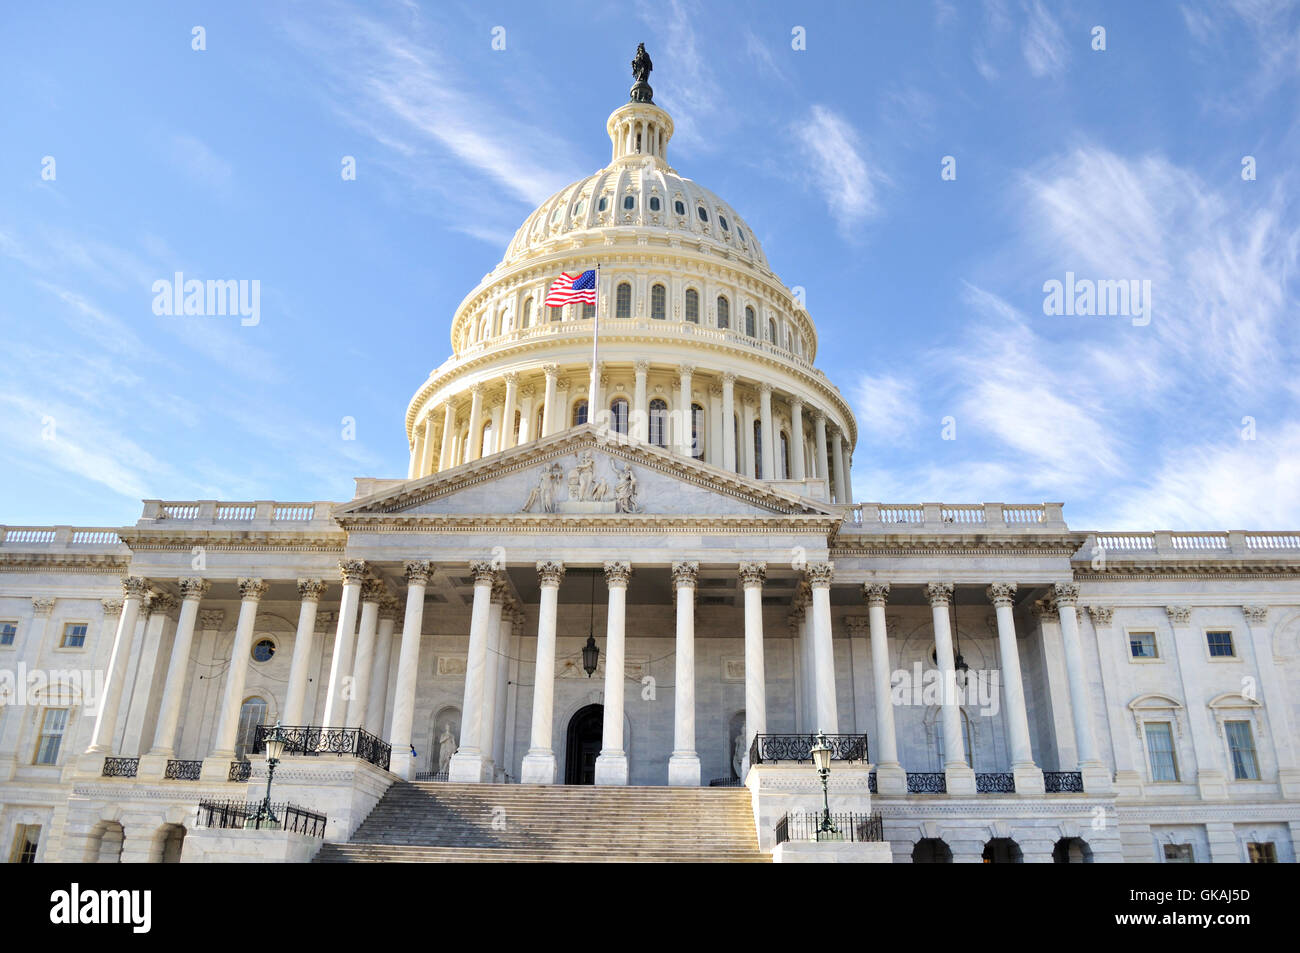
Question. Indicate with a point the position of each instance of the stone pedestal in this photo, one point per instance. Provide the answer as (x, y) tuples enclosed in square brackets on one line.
[(1128, 784), (787, 787), (469, 767), (891, 779), (832, 852), (1029, 779), (1096, 779), (218, 846), (684, 770), (538, 768), (611, 768), (960, 779)]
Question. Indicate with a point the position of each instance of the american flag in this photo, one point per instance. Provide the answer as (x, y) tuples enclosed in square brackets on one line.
[(569, 288)]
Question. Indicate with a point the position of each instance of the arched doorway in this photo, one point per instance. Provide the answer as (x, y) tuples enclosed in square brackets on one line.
[(1002, 850), (585, 730), (1072, 850), (931, 850)]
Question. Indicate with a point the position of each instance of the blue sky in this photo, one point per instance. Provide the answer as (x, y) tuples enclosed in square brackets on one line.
[(928, 294)]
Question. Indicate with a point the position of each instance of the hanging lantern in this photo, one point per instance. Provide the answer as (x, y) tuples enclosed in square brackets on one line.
[(590, 652)]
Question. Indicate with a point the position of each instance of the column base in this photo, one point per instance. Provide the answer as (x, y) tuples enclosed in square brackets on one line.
[(1288, 780), (684, 770), (466, 766), (891, 778), (1213, 785), (611, 768), (401, 763), (959, 778), (538, 767), (1029, 779), (1128, 784), (153, 766), (216, 766), (1097, 779)]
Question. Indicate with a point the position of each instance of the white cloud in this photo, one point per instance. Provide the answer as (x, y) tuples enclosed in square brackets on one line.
[(197, 160), (1043, 42), (886, 406), (840, 172)]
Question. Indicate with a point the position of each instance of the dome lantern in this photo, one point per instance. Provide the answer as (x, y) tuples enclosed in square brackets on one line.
[(640, 128)]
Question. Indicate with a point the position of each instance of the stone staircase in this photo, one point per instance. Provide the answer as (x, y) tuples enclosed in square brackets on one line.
[(521, 823)]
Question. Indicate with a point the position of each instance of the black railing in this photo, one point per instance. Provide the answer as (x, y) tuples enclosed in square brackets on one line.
[(926, 782), (311, 740), (850, 828), (1063, 782), (240, 771), (183, 771), (248, 815), (871, 783), (120, 767), (726, 783), (769, 748), (995, 783), (431, 776)]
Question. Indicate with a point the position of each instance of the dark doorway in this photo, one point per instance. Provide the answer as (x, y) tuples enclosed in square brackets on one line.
[(586, 728)]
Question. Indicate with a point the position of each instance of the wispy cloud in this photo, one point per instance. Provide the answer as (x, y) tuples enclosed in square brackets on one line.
[(690, 88), (886, 406), (1043, 41), (197, 160), (840, 171)]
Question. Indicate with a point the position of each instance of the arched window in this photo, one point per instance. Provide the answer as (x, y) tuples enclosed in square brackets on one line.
[(749, 321), (703, 213), (659, 422), (658, 302), (537, 424), (758, 449), (588, 312), (602, 204), (629, 201), (783, 460), (528, 313), (771, 331), (724, 312), (697, 431), (692, 306), (251, 714), (489, 439), (579, 413), (654, 203), (679, 207), (498, 323), (618, 411), (623, 301)]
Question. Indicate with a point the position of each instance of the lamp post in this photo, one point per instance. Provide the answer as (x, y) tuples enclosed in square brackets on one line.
[(821, 755), (274, 751)]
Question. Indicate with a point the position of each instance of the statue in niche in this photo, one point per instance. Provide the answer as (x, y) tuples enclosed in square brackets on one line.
[(738, 755), (446, 748), (625, 492), (542, 496)]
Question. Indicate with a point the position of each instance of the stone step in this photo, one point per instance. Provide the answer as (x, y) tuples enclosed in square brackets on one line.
[(349, 853)]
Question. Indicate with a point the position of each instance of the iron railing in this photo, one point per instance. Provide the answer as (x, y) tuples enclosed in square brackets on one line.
[(1063, 782), (313, 740), (240, 771), (431, 776), (926, 782), (726, 783), (995, 783), (121, 767), (849, 828), (249, 815), (183, 771), (769, 748), (871, 783)]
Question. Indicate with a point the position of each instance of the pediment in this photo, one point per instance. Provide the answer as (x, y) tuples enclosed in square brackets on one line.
[(582, 474)]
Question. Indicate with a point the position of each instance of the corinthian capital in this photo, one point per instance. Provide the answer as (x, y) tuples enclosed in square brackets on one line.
[(617, 574), (373, 590), (550, 572), (112, 607), (252, 589), (418, 571), (642, 366), (939, 593), (135, 587), (1179, 615), (685, 574), (753, 574), (353, 571), (42, 607), (1255, 615), (1001, 594), (193, 587), (820, 575), (551, 371), (875, 593), (483, 571), (310, 590), (1065, 594), (1101, 615)]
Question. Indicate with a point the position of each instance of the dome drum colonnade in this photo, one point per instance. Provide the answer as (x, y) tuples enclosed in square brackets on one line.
[(695, 329)]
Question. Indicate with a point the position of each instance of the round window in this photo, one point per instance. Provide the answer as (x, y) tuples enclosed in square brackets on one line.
[(263, 650)]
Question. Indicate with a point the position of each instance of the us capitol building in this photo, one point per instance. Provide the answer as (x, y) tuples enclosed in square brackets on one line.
[(652, 579)]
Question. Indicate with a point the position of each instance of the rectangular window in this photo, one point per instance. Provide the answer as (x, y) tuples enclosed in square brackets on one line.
[(1160, 746), (588, 312), (1220, 644), (1178, 854), (74, 636), (1265, 853), (8, 632), (1142, 644), (51, 738), (1245, 766), (26, 841)]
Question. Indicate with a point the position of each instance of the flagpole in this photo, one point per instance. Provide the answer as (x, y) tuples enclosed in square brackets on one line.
[(595, 338)]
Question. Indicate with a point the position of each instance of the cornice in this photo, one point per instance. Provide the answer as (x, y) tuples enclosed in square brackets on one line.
[(606, 524), (228, 540), (976, 545), (1215, 570), (93, 563)]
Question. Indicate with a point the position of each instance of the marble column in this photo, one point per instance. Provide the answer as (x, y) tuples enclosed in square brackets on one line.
[(611, 764), (134, 589), (748, 463), (842, 469), (800, 666), (336, 697), (446, 457), (684, 764), (550, 414), (640, 425), (729, 422), (525, 416), (467, 762), (796, 439), (417, 450), (217, 764), (819, 447), (1274, 699), (408, 666), (506, 439), (539, 762), (175, 687), (426, 456), (766, 429), (512, 621), (752, 576), (891, 778), (492, 658), (1028, 776), (1112, 653), (1095, 775), (372, 592), (143, 704), (475, 423), (819, 578), (309, 593), (376, 702), (960, 776), (684, 444)]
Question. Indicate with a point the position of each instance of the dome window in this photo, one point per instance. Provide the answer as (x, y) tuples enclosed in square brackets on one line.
[(618, 414), (749, 321), (555, 216), (679, 207), (629, 202), (722, 220), (703, 213), (623, 301), (577, 209), (692, 306), (740, 233), (588, 312), (654, 203), (579, 413), (659, 422), (658, 302), (724, 312), (602, 204)]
